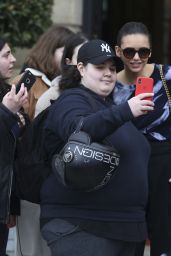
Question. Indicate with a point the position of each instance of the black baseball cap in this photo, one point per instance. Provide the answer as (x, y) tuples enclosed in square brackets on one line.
[(95, 52)]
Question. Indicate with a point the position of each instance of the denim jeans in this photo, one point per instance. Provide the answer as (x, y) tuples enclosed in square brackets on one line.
[(65, 239)]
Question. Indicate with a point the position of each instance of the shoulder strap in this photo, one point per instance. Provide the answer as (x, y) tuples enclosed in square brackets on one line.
[(165, 85), (94, 107)]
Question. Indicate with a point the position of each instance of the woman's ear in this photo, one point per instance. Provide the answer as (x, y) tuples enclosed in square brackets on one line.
[(118, 51), (80, 68)]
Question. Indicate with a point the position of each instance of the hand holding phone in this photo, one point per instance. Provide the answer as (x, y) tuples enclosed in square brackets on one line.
[(28, 79), (144, 84)]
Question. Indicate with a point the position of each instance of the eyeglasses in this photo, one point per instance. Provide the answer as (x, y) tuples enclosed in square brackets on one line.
[(143, 52)]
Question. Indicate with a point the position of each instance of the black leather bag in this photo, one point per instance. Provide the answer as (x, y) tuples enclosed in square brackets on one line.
[(85, 165)]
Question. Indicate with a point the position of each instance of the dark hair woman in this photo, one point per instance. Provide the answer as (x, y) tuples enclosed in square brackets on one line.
[(134, 48), (69, 59), (9, 106), (109, 221)]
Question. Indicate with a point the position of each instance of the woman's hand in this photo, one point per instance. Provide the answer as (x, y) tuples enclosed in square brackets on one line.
[(12, 221), (139, 106), (15, 101)]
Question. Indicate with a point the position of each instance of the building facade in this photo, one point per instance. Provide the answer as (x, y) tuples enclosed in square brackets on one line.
[(103, 18)]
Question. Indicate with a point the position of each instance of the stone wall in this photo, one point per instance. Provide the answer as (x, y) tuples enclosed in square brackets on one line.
[(68, 13)]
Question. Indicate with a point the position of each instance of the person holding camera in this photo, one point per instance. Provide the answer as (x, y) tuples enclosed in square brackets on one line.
[(11, 102), (109, 220), (134, 48)]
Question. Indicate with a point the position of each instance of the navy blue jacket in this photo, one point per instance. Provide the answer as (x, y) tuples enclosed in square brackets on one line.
[(7, 152), (125, 196)]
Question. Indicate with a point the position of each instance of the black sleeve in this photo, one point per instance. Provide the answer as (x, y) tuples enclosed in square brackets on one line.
[(67, 111), (14, 205), (14, 199)]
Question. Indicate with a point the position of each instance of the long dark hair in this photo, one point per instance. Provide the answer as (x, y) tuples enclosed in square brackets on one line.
[(41, 56), (4, 87), (130, 28), (2, 42), (70, 76)]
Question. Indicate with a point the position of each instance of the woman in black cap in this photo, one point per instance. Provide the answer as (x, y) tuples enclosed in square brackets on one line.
[(110, 220)]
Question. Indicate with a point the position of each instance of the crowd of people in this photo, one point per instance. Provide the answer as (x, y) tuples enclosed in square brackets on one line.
[(76, 79)]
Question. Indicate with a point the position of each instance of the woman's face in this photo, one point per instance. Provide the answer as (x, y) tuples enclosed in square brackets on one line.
[(135, 41), (7, 61), (98, 78)]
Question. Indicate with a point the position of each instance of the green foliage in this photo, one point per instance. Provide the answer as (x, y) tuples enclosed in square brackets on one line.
[(23, 21)]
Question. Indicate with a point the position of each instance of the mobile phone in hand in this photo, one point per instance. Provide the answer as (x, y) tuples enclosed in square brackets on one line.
[(144, 84), (28, 79)]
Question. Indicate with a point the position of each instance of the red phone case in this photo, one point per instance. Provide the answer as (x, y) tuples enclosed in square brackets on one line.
[(144, 84)]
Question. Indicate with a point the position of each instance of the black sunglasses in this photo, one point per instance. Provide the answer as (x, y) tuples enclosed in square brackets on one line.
[(143, 52)]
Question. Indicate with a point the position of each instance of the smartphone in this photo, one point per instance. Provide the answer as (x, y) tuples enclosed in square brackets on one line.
[(28, 79), (144, 84)]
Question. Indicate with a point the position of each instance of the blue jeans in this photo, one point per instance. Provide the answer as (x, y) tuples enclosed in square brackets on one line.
[(65, 239), (3, 238)]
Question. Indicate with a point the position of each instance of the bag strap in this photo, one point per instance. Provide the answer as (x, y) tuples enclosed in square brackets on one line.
[(94, 107), (79, 126), (165, 85)]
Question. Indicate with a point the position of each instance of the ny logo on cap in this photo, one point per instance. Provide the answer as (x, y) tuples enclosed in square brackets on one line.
[(105, 47)]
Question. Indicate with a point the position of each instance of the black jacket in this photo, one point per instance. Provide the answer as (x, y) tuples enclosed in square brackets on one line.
[(8, 120), (125, 196)]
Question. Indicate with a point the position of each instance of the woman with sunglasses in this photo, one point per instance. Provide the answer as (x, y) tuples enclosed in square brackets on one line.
[(134, 49)]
